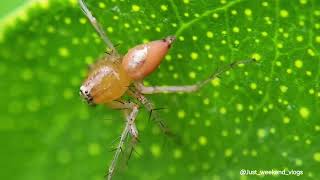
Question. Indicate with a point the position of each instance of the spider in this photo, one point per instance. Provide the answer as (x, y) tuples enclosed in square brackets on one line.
[(114, 76)]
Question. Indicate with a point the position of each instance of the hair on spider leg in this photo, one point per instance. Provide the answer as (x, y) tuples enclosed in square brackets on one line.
[(111, 51), (154, 109), (113, 149), (108, 119), (116, 148), (131, 88), (119, 109), (117, 45), (114, 140), (177, 140), (108, 52), (119, 101), (217, 73), (154, 115), (132, 150)]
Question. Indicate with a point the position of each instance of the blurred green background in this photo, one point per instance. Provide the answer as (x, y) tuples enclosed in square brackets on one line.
[(261, 116), (9, 6)]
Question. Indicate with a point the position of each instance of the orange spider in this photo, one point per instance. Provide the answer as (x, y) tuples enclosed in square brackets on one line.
[(110, 78)]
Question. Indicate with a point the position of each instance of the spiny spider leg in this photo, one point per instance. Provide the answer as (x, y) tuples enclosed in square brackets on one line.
[(97, 26), (129, 128), (154, 115), (188, 88), (131, 149)]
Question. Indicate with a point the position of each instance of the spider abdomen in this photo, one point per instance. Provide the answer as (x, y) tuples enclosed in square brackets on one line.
[(143, 59)]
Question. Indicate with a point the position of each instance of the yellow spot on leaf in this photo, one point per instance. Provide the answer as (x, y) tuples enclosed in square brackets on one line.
[(181, 114), (215, 82), (304, 112), (261, 133), (265, 4), (284, 13), (308, 73), (223, 110), (164, 7), (73, 2), (194, 38), (102, 5), (289, 71), (110, 29), (135, 8), (215, 15), (206, 101), (279, 45), (192, 75), (318, 39), (298, 63), (254, 153), (248, 12), (44, 4), (82, 20), (272, 130), (64, 52), (239, 107), (155, 150), (283, 88), (311, 52), (209, 34), (67, 20), (303, 1), (316, 156), (194, 55), (311, 91), (94, 149), (256, 56), (264, 34), (228, 152), (236, 29), (177, 153), (207, 47), (298, 162), (203, 140), (299, 38), (253, 86)]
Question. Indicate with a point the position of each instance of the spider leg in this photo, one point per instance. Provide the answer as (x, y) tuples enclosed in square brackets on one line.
[(130, 128), (154, 115), (188, 88), (97, 26)]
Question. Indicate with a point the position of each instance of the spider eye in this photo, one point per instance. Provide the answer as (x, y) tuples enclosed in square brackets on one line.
[(85, 95)]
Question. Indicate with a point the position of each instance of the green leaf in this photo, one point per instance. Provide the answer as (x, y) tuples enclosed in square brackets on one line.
[(8, 6), (261, 116)]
